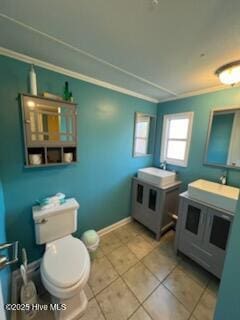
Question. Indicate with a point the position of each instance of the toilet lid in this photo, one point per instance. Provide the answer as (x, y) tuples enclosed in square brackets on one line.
[(65, 261)]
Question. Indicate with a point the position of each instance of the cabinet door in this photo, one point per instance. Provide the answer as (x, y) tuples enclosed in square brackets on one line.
[(193, 220), (216, 237), (49, 122), (153, 200), (138, 199)]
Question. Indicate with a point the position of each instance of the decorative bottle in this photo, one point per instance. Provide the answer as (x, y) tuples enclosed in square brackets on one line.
[(33, 81)]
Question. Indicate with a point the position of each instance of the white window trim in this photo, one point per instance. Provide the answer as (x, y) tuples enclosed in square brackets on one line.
[(166, 120)]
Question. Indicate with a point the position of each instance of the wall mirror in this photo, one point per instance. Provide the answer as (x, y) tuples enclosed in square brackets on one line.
[(223, 142), (144, 134)]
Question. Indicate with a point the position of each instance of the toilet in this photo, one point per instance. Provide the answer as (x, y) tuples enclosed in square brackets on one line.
[(65, 265)]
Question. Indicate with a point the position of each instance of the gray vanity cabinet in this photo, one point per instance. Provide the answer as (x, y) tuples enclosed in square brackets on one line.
[(153, 206), (202, 233)]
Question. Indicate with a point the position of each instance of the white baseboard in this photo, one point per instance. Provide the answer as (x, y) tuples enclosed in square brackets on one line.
[(114, 226)]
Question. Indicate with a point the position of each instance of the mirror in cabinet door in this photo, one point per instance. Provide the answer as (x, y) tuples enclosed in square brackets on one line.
[(193, 215), (152, 199), (48, 122), (139, 195)]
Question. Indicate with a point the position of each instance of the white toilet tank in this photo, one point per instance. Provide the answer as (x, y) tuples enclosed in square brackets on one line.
[(55, 223)]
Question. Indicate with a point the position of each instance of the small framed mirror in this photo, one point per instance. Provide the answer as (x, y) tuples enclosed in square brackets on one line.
[(223, 141), (49, 122), (144, 134)]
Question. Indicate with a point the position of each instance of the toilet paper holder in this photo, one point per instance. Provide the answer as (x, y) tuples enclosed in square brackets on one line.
[(4, 258)]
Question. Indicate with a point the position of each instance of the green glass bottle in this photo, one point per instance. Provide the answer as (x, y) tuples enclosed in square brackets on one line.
[(66, 91)]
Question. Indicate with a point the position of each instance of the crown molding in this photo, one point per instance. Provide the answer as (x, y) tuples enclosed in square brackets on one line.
[(72, 74), (79, 76), (87, 54), (198, 92)]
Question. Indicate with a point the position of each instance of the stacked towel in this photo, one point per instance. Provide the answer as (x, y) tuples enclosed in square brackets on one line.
[(52, 202)]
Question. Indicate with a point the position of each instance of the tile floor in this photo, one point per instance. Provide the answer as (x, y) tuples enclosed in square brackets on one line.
[(137, 278)]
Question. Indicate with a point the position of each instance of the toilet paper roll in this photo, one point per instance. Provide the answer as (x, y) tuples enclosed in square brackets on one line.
[(35, 159), (68, 157)]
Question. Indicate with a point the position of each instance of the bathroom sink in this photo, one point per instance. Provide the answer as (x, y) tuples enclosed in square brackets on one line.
[(159, 177), (215, 194)]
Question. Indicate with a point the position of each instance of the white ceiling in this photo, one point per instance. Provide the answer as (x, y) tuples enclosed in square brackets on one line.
[(152, 50)]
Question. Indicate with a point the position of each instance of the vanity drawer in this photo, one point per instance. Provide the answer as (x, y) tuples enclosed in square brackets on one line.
[(196, 253)]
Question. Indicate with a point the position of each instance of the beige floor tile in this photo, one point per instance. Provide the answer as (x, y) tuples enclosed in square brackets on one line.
[(99, 253), (88, 292), (206, 306), (122, 259), (141, 281), (140, 314), (150, 237), (139, 246), (166, 247), (160, 265), (184, 288), (93, 311), (46, 315), (169, 236), (109, 242), (102, 274), (162, 305), (117, 301), (194, 271), (138, 227), (126, 233)]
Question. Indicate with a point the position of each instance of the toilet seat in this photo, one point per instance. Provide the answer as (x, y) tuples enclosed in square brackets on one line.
[(65, 263)]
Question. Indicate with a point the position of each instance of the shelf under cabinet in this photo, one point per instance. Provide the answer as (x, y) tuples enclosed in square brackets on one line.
[(51, 156)]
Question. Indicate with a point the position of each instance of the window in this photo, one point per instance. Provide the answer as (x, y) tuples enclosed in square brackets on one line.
[(144, 134), (176, 138)]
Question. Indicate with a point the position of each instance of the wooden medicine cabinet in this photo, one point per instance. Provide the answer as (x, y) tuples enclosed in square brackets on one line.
[(50, 131)]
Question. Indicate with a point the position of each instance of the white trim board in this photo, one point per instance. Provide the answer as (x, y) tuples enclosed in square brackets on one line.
[(114, 226), (107, 85), (72, 74), (83, 52), (199, 92)]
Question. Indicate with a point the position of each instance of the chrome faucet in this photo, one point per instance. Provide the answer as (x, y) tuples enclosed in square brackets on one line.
[(163, 165), (223, 178)]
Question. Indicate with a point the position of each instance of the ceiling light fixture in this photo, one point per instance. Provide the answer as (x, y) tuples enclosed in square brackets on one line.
[(229, 73)]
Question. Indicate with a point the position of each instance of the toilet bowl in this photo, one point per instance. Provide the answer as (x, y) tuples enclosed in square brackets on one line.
[(65, 269)]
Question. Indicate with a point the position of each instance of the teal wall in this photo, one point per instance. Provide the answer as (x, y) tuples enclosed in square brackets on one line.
[(101, 181), (220, 138), (5, 273), (228, 306), (202, 106)]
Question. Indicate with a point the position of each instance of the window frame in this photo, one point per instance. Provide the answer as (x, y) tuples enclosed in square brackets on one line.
[(165, 138)]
